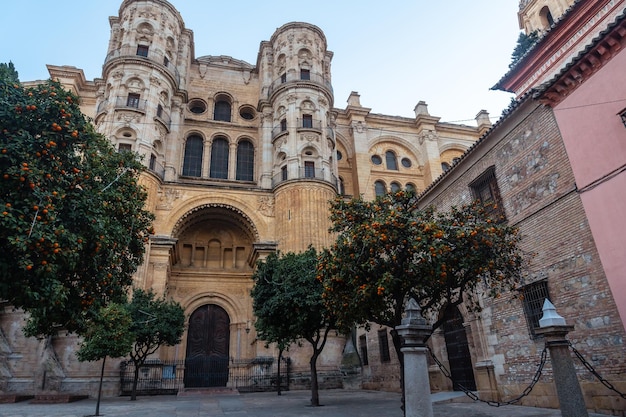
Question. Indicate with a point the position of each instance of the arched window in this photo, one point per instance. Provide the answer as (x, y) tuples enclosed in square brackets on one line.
[(379, 188), (222, 111), (445, 166), (219, 158), (391, 160), (245, 161), (546, 17), (342, 187), (192, 164), (411, 187), (395, 187)]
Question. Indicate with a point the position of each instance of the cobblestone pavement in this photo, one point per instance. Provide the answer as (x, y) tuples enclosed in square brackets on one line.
[(335, 403)]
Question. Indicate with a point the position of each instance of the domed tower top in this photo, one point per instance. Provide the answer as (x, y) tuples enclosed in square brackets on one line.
[(540, 15)]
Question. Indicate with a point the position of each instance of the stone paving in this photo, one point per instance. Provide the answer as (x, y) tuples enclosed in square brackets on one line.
[(335, 403)]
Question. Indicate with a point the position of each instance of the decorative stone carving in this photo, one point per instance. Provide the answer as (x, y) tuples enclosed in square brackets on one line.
[(167, 198), (266, 206)]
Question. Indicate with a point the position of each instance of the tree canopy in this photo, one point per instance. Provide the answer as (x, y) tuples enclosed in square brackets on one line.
[(108, 334), (288, 305), (156, 322), (72, 225), (388, 251), (524, 44), (8, 72)]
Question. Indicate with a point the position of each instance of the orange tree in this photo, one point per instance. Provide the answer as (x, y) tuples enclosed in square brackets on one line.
[(388, 251), (288, 306), (72, 223)]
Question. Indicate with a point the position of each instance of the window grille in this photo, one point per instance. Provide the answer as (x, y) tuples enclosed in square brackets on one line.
[(192, 164), (363, 349), (485, 189), (391, 160), (383, 345), (245, 161), (219, 159), (534, 296), (222, 111), (142, 50)]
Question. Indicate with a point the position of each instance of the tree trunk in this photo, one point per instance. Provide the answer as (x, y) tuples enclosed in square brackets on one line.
[(133, 394), (280, 354), (100, 387), (315, 397)]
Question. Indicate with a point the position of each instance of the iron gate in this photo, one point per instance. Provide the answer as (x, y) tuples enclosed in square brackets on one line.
[(168, 377)]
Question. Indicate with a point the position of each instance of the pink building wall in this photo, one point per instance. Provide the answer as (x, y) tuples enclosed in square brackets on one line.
[(595, 140)]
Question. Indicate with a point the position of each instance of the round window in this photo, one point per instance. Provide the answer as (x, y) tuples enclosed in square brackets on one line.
[(339, 156), (406, 162), (197, 106), (246, 113), (377, 160)]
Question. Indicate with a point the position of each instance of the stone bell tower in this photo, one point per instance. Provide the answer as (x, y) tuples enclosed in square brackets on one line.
[(299, 143), (539, 15)]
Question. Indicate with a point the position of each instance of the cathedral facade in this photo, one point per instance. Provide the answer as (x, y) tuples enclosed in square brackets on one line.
[(242, 160)]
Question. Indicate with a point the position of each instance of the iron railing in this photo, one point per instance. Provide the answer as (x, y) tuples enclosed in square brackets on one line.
[(152, 55), (293, 78), (168, 377), (306, 173)]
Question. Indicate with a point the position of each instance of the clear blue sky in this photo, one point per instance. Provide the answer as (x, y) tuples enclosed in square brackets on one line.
[(394, 53)]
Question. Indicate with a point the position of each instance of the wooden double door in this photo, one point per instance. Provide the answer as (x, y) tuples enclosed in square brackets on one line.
[(208, 340)]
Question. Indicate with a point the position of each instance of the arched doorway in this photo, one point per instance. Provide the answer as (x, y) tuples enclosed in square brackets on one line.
[(208, 339), (459, 357)]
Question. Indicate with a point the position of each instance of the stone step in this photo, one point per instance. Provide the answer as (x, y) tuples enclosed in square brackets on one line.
[(57, 398), (187, 392), (14, 398)]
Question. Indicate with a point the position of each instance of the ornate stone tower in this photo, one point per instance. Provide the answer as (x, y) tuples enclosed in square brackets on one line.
[(140, 95), (299, 145), (539, 15)]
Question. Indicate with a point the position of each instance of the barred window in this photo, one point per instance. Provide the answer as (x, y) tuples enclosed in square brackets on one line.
[(245, 161), (363, 349), (391, 160), (485, 189), (383, 346), (192, 163), (534, 296), (379, 188), (219, 159), (222, 111), (142, 50)]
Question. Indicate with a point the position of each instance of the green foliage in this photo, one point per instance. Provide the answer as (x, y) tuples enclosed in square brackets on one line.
[(8, 72), (108, 334), (388, 250), (72, 223), (287, 299), (288, 305), (156, 322), (524, 44)]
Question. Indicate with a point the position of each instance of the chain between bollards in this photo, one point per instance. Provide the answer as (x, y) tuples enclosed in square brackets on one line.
[(535, 379), (595, 373), (473, 396)]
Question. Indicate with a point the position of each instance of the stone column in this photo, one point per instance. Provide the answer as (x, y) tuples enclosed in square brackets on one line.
[(553, 327), (414, 330)]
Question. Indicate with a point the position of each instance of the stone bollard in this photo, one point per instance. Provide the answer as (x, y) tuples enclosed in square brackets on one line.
[(414, 330), (553, 327)]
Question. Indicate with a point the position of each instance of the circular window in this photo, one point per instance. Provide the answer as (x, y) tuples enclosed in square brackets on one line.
[(246, 112), (339, 156), (377, 160), (197, 106), (127, 135), (406, 162)]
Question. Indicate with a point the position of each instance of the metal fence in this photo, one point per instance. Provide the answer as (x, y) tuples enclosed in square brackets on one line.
[(168, 377)]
